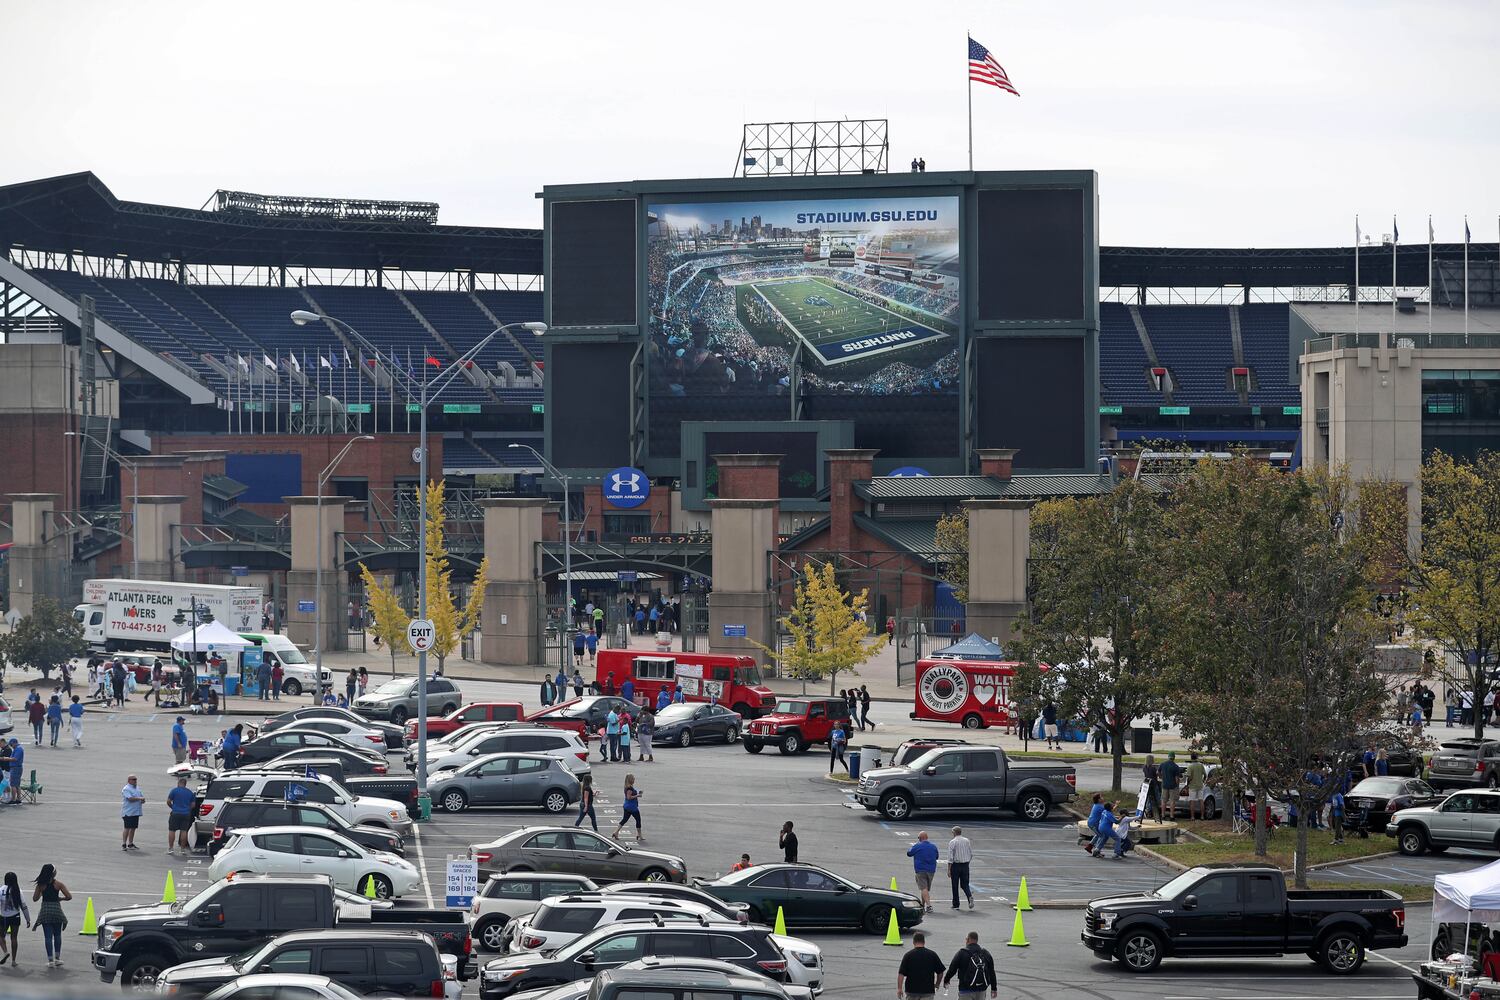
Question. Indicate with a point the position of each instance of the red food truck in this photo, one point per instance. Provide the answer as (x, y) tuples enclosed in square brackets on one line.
[(973, 693), (734, 681)]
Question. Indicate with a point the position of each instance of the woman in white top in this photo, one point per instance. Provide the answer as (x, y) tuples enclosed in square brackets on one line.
[(12, 909)]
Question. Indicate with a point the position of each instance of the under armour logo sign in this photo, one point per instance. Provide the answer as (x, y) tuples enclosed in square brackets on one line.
[(618, 482)]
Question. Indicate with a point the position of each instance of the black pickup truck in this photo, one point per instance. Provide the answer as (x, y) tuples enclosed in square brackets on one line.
[(138, 943), (380, 786), (1216, 911)]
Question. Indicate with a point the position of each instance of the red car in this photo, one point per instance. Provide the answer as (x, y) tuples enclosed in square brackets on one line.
[(479, 711), (583, 715)]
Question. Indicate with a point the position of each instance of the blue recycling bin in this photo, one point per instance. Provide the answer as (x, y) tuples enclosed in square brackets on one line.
[(854, 764), (231, 685)]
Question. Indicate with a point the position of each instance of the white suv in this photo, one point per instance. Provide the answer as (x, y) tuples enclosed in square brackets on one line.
[(505, 897), (252, 784), (561, 744), (562, 919), (309, 850)]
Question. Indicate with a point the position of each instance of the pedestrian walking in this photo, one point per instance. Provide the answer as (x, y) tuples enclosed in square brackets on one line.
[(131, 803), (117, 679), (788, 843), (67, 679), (351, 684), (179, 740), (960, 857), (838, 742), (229, 749), (1049, 726), (49, 916), (917, 978), (36, 714), (603, 735), (631, 809), (1171, 780), (591, 643), (586, 803), (560, 686), (277, 673), (579, 642), (974, 968), (864, 708), (577, 683), (263, 680), (612, 732), (75, 722), (179, 815), (548, 692), (364, 681), (625, 739), (924, 859), (645, 732), (851, 698), (12, 909), (54, 719), (1197, 776), (15, 760)]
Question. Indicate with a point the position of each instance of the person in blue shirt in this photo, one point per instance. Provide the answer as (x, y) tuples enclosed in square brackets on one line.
[(612, 733), (838, 742), (1095, 812), (15, 759), (180, 801), (132, 800), (924, 859), (640, 621), (561, 680), (663, 699), (677, 695), (75, 722), (179, 740), (1382, 763), (1336, 816), (1106, 832), (591, 640), (229, 750), (578, 645), (54, 719), (627, 690)]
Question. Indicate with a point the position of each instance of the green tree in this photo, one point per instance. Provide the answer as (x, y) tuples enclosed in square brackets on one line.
[(44, 640), (1097, 581), (1267, 640), (1454, 580), (449, 622), (952, 541), (391, 618), (827, 629)]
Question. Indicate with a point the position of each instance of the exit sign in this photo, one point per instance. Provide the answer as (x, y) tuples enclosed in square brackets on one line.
[(538, 408), (1174, 411), (460, 407), (1291, 411), (1111, 410)]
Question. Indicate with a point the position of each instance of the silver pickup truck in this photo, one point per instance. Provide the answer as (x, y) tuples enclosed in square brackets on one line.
[(965, 776)]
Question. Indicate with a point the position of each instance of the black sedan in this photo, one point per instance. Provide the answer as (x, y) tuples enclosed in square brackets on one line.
[(264, 748), (813, 897), (352, 764), (686, 724), (395, 738), (1383, 796)]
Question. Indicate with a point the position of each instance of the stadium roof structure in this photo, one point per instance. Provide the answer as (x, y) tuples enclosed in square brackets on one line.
[(77, 213)]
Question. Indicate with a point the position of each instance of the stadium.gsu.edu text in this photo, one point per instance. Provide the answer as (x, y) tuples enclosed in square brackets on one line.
[(882, 215)]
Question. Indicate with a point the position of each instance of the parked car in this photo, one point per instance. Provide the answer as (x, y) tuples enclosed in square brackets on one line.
[(394, 735), (967, 777), (686, 724), (396, 699), (796, 724), (688, 893), (684, 964), (360, 733), (562, 919), (350, 763), (1384, 797), (1465, 763), (1242, 910), (270, 849), (245, 815), (6, 725), (746, 945), (263, 748), (273, 785), (1401, 760), (810, 896), (1464, 819), (566, 748), (470, 714), (504, 779), (569, 849), (911, 749), (406, 963), (584, 715), (284, 984), (678, 982), (503, 898)]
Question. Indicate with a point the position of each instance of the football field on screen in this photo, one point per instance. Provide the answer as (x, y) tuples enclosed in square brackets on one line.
[(837, 325)]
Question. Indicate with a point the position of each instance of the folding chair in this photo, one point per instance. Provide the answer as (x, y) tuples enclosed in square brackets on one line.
[(32, 790)]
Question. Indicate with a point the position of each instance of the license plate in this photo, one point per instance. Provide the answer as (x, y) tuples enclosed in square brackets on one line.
[(1362, 803)]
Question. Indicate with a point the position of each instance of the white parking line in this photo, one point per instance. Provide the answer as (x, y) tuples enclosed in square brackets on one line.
[(422, 864)]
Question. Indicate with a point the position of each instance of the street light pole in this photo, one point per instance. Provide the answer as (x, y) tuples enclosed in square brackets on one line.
[(425, 392), (135, 497), (567, 543), (318, 586)]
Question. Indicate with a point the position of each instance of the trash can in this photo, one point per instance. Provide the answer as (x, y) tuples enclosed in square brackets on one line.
[(664, 642), (231, 685), (1140, 739), (854, 756), (424, 807)]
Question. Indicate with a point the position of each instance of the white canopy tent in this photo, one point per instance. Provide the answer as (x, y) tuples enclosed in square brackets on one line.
[(211, 638), (1473, 895)]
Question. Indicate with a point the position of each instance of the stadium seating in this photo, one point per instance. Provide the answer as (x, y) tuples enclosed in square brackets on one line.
[(1265, 333), (1122, 359), (1194, 343)]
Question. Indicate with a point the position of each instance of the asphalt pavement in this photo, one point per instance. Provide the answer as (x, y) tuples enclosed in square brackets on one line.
[(707, 804)]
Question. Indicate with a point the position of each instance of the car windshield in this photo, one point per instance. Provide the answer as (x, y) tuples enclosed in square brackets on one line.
[(787, 707), (675, 713), (293, 655), (1380, 786), (925, 758), (250, 959), (1180, 883), (397, 686), (192, 904), (751, 676)]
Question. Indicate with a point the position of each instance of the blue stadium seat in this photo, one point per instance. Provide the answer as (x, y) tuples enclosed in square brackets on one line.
[(1195, 345), (1265, 333), (1122, 360)]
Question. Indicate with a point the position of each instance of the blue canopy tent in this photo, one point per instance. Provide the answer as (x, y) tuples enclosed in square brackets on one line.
[(972, 647)]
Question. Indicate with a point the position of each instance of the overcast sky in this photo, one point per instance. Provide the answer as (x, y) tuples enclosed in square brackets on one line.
[(1216, 124)]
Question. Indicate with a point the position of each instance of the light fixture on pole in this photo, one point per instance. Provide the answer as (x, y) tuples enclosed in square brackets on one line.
[(318, 586), (135, 498), (425, 392), (567, 539)]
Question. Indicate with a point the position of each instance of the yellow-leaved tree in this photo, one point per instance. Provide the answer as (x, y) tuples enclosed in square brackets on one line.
[(449, 622), (826, 628), (391, 618)]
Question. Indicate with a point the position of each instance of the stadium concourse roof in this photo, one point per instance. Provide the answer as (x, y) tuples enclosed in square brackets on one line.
[(78, 213)]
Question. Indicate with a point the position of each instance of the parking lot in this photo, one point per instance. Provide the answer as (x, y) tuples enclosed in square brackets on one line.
[(707, 804)]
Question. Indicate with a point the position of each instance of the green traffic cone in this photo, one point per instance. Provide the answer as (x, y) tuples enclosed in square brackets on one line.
[(895, 886), (169, 892), (780, 927), (1023, 898), (892, 930), (90, 924), (1018, 934), (370, 888)]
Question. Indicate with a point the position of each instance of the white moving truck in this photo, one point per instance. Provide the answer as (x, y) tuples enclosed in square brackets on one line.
[(142, 614)]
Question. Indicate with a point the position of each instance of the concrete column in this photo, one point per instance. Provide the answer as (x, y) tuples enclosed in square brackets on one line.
[(846, 466), (513, 591), (744, 532), (309, 517), (155, 517), (999, 544), (37, 562)]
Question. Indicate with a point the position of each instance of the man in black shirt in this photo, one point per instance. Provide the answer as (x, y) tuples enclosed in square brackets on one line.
[(789, 843), (974, 968), (920, 968)]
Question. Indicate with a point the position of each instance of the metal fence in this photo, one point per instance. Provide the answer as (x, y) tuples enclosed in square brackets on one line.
[(918, 634)]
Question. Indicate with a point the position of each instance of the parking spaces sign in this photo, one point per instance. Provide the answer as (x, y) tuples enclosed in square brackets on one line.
[(419, 634), (462, 883)]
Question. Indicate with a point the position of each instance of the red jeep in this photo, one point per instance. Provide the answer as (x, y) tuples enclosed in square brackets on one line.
[(796, 724), (479, 711)]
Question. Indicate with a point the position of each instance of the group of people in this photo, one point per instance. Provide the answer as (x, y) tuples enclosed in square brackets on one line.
[(51, 716), (620, 729), (630, 806), (858, 700), (1169, 783), (924, 859), (555, 689), (1106, 824), (47, 889)]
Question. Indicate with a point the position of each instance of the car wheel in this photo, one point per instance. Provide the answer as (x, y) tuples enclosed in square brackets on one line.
[(1210, 807), (293, 688), (685, 738), (654, 875), (973, 721), (896, 805), (490, 933), (753, 746), (139, 973), (449, 708), (1034, 807), (398, 716), (731, 734), (1411, 841), (1342, 953), (455, 801), (1493, 781), (383, 887), (1140, 951), (790, 743), (556, 801), (877, 919)]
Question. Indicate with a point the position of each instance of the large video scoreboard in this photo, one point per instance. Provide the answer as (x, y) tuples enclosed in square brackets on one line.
[(924, 315)]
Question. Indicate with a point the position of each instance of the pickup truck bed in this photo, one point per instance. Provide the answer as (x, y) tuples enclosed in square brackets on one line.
[(397, 789)]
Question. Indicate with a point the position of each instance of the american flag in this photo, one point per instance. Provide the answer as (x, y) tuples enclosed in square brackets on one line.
[(984, 69)]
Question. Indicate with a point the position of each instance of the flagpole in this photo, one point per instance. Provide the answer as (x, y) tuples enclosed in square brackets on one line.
[(1429, 281), (1466, 279), (1356, 277), (393, 395), (1395, 241), (969, 92)]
